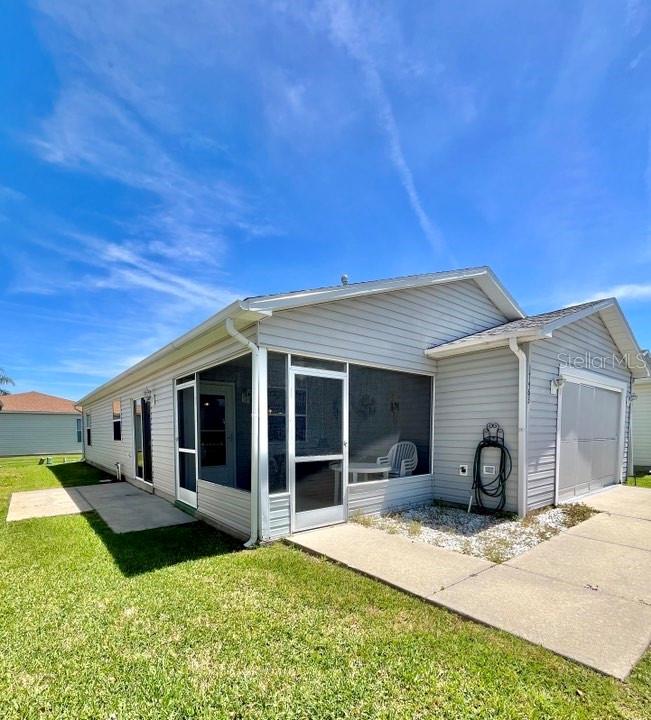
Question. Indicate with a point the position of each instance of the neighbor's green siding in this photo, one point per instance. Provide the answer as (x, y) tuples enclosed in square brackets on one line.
[(38, 434)]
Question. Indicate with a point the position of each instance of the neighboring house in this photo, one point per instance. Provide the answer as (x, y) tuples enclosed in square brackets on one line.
[(642, 426), (270, 417), (33, 423)]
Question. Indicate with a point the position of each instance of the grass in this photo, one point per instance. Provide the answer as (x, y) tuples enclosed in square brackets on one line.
[(28, 460), (643, 481), (181, 623), (576, 513)]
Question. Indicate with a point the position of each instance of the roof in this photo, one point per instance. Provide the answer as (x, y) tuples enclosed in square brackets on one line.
[(537, 327), (483, 276), (245, 312), (36, 402)]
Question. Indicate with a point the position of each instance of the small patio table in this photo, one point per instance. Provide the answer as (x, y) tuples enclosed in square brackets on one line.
[(355, 469)]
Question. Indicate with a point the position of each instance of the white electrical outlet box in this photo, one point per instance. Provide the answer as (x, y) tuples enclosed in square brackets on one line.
[(463, 470), (489, 469)]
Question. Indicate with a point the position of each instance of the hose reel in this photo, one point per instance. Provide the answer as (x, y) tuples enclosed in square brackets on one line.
[(493, 437)]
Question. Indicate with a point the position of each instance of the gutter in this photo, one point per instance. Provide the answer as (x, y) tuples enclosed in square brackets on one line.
[(255, 427), (522, 425), (467, 345)]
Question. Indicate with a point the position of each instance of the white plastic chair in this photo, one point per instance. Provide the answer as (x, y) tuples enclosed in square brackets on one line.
[(402, 459)]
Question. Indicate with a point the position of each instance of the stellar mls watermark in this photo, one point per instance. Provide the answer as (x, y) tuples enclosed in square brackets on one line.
[(592, 361)]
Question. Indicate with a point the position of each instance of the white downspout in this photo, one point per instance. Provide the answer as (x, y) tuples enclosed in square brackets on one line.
[(255, 430), (522, 425)]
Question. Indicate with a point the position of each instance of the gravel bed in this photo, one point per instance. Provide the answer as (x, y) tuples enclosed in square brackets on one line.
[(495, 538)]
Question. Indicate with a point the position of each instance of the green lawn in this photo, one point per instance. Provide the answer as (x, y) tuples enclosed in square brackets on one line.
[(181, 623), (644, 481)]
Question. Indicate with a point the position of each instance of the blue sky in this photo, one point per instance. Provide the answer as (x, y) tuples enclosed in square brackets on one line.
[(159, 159)]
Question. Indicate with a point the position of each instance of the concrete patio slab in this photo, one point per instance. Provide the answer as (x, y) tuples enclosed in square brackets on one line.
[(417, 568), (46, 503), (586, 598), (600, 630), (125, 508), (622, 500), (616, 569), (618, 529)]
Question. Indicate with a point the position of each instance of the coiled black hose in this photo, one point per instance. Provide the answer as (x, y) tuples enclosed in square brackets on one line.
[(495, 488)]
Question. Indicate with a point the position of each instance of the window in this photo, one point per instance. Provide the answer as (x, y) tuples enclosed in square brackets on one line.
[(387, 408), (88, 431), (117, 420), (79, 430)]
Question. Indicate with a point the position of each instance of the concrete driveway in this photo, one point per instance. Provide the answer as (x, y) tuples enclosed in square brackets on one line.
[(585, 594)]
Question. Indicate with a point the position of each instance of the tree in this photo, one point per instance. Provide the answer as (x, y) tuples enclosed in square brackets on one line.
[(5, 380)]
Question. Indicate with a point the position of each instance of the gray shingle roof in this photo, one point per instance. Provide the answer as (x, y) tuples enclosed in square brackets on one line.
[(531, 322)]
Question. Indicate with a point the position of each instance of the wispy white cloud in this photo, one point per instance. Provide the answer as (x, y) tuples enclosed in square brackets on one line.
[(346, 31), (628, 292)]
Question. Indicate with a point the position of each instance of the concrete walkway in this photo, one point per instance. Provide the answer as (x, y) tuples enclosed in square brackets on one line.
[(585, 594), (123, 507)]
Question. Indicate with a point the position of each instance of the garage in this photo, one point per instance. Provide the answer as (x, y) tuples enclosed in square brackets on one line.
[(591, 433)]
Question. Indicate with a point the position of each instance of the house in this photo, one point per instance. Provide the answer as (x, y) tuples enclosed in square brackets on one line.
[(278, 413), (33, 423), (641, 427)]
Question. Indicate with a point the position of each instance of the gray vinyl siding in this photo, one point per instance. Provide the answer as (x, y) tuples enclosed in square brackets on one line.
[(569, 343), (642, 425), (472, 390), (230, 512), (279, 515), (390, 329), (377, 496), (228, 508), (38, 434)]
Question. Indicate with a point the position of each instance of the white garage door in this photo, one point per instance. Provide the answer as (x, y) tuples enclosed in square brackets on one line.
[(589, 438)]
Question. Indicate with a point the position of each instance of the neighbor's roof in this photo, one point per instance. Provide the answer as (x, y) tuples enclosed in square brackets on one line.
[(536, 327), (36, 402), (245, 312)]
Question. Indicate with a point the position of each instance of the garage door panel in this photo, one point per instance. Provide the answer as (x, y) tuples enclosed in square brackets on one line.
[(606, 414), (586, 412), (568, 465), (570, 412), (584, 462), (604, 462)]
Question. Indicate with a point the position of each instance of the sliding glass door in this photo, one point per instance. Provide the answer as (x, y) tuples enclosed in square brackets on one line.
[(317, 446), (186, 443), (142, 439)]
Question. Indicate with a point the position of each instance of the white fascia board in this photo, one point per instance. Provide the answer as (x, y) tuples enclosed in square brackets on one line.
[(242, 317), (622, 333), (578, 315), (617, 325), (483, 276), (499, 295), (466, 345)]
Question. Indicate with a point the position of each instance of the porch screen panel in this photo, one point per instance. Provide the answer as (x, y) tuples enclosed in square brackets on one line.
[(277, 422), (318, 416), (224, 423), (388, 407)]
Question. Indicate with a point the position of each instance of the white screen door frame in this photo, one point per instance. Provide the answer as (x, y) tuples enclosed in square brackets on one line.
[(336, 513), (183, 494)]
